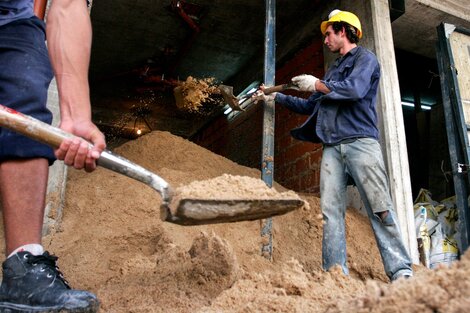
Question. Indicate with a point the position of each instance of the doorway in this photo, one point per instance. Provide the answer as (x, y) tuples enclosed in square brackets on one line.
[(423, 115)]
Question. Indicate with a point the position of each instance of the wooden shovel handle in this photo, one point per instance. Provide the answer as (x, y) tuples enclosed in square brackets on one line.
[(53, 136), (279, 88), (32, 128)]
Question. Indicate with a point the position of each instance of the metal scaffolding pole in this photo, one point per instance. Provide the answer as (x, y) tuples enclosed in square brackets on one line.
[(267, 157)]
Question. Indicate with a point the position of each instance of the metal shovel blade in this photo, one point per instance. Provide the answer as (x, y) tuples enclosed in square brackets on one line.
[(229, 98), (200, 211), (234, 102), (179, 97)]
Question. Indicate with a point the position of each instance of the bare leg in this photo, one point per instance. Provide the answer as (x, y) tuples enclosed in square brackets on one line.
[(23, 186)]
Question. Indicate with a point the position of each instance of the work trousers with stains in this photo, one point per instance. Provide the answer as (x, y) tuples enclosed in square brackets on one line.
[(362, 161)]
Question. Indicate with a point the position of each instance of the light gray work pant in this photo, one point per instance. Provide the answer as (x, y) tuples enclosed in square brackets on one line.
[(362, 160)]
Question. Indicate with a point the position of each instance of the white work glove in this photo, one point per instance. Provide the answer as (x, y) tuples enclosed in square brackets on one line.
[(260, 96), (305, 82)]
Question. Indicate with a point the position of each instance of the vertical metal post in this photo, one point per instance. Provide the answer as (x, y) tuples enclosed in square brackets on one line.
[(457, 130), (267, 157)]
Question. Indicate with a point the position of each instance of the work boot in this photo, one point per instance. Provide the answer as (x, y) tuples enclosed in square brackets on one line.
[(33, 283)]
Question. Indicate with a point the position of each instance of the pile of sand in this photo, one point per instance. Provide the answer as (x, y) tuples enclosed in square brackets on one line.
[(113, 243), (228, 187)]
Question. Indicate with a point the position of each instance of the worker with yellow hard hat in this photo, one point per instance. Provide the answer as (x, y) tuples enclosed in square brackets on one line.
[(345, 17), (343, 118)]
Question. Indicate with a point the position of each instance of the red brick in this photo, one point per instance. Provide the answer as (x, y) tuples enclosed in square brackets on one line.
[(284, 142), (298, 150), (315, 156), (309, 181), (303, 164)]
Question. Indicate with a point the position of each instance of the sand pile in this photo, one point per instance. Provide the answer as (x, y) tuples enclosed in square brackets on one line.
[(228, 187), (113, 243)]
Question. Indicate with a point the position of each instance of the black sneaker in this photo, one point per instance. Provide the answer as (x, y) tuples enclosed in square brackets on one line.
[(34, 284)]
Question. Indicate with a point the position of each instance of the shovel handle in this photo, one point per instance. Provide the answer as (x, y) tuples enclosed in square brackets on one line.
[(279, 88), (31, 127), (53, 136), (268, 91)]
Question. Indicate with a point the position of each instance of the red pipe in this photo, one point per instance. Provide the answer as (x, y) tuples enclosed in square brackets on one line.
[(178, 6)]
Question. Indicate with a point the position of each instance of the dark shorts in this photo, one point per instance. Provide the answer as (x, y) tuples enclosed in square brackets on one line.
[(25, 74)]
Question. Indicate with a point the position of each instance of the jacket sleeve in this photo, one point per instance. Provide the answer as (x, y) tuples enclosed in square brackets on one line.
[(299, 105), (358, 83)]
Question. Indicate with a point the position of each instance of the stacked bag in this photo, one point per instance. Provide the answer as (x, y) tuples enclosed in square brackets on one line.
[(435, 230)]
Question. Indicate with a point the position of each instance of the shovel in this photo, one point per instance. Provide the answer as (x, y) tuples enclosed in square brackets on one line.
[(234, 102), (185, 211), (229, 98)]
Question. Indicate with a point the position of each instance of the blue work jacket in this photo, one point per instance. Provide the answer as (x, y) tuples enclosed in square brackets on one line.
[(13, 10), (349, 110)]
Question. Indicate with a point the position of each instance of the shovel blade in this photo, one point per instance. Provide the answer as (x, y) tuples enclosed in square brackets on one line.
[(201, 212), (179, 97), (229, 98)]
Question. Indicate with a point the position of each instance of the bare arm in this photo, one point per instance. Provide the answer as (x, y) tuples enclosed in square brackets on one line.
[(69, 43), (321, 87)]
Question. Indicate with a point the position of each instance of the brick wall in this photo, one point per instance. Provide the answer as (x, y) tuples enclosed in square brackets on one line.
[(296, 163)]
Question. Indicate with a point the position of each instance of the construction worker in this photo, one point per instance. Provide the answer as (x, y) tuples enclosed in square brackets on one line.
[(342, 116), (31, 280)]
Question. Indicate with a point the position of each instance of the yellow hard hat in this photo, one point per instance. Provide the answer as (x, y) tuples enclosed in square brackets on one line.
[(342, 16)]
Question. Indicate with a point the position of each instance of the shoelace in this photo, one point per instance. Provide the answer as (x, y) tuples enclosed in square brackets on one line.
[(49, 261)]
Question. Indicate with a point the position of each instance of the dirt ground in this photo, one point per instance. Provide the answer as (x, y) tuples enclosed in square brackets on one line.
[(113, 243)]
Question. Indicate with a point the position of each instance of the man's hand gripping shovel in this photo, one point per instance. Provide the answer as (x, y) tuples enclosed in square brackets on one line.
[(185, 211)]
